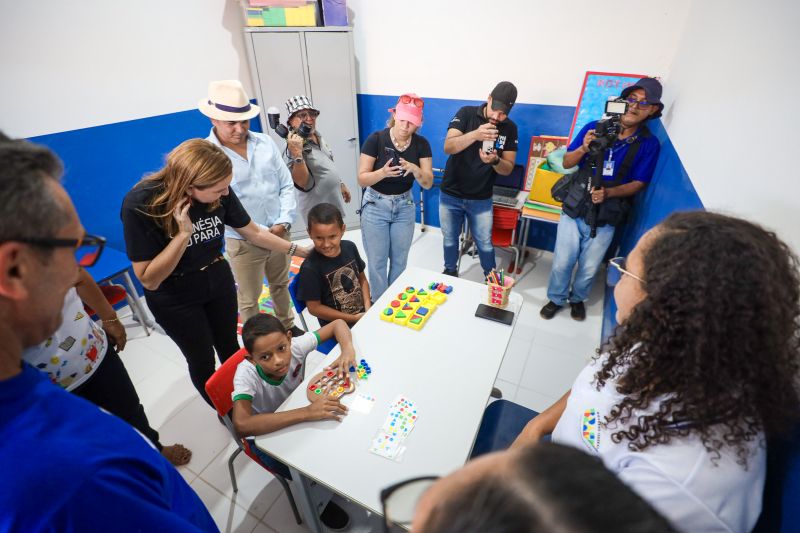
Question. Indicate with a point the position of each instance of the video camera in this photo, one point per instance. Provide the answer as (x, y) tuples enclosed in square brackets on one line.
[(274, 118), (609, 127)]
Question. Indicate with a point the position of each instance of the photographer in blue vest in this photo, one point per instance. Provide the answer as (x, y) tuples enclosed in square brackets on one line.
[(616, 158)]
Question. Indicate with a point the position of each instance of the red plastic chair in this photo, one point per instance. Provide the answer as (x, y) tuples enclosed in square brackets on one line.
[(115, 294), (504, 229), (219, 388)]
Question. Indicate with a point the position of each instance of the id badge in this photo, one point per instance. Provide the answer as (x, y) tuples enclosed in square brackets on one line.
[(608, 168)]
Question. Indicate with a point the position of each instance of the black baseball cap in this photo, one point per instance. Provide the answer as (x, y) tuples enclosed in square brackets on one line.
[(503, 96), (652, 92)]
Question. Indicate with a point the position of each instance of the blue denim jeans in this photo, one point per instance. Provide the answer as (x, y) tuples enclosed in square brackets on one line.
[(387, 229), (478, 213), (573, 245)]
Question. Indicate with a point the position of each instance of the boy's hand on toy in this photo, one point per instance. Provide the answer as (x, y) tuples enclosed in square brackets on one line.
[(343, 363), (326, 408)]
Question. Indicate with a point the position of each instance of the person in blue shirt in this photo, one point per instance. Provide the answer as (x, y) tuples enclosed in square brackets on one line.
[(264, 185), (622, 178), (66, 465)]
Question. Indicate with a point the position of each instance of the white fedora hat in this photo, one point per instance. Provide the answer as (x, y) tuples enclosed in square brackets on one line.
[(227, 101)]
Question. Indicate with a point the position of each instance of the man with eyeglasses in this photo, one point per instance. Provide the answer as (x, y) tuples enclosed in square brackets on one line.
[(482, 143), (66, 464), (310, 160), (627, 168), (264, 186)]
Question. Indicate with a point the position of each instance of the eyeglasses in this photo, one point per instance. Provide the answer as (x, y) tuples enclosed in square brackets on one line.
[(400, 500), (408, 99), (87, 249), (302, 115), (640, 103), (615, 274)]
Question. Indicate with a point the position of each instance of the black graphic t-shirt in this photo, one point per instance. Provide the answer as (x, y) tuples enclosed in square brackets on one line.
[(333, 281), (144, 240)]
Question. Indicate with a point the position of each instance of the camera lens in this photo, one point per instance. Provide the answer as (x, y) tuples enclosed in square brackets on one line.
[(304, 130)]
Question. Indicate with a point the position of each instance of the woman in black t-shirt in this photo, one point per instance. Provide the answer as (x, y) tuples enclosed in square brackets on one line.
[(174, 222), (391, 160)]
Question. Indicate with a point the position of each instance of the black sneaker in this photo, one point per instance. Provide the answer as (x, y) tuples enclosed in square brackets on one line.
[(334, 517), (296, 332), (577, 311), (549, 310), (453, 273)]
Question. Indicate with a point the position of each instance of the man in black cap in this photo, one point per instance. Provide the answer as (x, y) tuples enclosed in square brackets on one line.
[(627, 167), (482, 143)]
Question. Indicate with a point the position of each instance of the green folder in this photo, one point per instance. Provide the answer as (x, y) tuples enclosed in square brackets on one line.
[(274, 16), (540, 207)]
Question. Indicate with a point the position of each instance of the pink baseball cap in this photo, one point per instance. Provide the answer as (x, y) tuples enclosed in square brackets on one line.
[(409, 107)]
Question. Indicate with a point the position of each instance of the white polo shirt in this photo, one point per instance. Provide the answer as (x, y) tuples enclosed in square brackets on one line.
[(267, 394), (678, 479)]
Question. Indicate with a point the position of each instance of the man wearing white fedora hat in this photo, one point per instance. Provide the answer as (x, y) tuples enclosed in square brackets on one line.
[(264, 185)]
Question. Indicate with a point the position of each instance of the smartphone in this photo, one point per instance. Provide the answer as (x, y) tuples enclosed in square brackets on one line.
[(390, 152), (494, 313)]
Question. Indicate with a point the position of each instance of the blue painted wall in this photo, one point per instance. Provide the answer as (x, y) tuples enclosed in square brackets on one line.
[(101, 164), (530, 119), (670, 190)]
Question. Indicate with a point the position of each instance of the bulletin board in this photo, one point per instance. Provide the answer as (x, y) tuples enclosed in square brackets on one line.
[(597, 87), (541, 146)]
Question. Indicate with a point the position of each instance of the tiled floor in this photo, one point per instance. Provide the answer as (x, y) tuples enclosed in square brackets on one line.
[(540, 364)]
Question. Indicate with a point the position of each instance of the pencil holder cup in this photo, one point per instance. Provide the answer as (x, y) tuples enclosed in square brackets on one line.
[(498, 294)]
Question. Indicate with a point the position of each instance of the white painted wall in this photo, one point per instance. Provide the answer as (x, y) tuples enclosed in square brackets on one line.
[(70, 64), (461, 48), (733, 107)]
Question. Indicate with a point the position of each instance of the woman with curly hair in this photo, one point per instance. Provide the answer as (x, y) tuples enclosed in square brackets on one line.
[(700, 373)]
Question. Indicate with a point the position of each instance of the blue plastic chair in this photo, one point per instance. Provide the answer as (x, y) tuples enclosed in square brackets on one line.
[(299, 307), (781, 487), (502, 422)]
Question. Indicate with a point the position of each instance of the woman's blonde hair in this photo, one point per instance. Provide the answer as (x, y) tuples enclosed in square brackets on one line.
[(193, 163)]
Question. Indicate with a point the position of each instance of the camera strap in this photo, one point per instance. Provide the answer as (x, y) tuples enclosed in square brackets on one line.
[(630, 155)]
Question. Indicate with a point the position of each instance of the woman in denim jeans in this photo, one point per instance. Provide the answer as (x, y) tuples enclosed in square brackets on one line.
[(391, 159)]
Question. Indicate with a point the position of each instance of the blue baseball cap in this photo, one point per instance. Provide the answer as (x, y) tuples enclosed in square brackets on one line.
[(652, 91)]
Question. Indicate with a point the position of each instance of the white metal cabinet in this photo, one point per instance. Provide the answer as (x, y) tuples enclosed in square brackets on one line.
[(320, 63)]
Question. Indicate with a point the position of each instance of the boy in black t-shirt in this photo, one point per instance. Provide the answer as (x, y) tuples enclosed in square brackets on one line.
[(332, 281)]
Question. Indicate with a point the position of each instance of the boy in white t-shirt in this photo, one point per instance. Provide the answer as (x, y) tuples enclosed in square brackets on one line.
[(272, 369)]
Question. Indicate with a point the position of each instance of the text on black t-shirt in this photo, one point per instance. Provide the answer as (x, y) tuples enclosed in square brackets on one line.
[(144, 239)]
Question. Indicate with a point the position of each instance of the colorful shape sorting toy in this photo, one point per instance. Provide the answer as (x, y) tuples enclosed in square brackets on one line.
[(388, 314), (327, 382), (413, 307), (362, 370)]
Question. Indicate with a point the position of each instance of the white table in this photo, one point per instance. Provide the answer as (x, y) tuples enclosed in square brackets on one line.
[(448, 368)]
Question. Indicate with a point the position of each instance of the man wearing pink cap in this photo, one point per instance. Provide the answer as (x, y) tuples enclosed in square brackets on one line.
[(482, 143), (391, 159)]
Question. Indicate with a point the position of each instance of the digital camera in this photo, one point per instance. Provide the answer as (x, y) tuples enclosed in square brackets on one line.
[(609, 127), (274, 118)]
